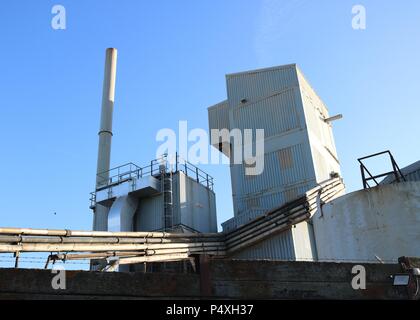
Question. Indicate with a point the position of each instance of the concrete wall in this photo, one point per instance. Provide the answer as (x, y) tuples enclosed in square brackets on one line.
[(383, 221), (222, 279)]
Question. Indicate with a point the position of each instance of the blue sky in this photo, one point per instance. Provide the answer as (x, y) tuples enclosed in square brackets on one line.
[(172, 58)]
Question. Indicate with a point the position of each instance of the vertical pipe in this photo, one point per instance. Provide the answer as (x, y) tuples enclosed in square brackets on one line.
[(105, 130)]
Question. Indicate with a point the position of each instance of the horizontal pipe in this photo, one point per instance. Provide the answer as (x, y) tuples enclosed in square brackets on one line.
[(69, 233), (102, 255), (162, 245), (173, 257), (110, 240), (76, 247), (122, 254)]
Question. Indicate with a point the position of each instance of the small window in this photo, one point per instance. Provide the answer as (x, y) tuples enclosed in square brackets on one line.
[(285, 158), (253, 203)]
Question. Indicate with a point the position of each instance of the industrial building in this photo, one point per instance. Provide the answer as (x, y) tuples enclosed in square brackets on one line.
[(300, 165), (299, 151), (297, 209)]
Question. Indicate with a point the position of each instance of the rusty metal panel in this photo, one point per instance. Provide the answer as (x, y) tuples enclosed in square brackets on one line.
[(255, 84)]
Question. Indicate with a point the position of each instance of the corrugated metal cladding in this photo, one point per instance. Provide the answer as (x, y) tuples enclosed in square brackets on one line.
[(250, 207), (413, 176), (299, 146), (320, 133), (275, 114), (219, 116), (278, 247), (282, 168), (219, 119), (259, 83), (410, 172)]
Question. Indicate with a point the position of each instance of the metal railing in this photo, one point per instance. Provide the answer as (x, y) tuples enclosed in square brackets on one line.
[(365, 171), (194, 172), (130, 171)]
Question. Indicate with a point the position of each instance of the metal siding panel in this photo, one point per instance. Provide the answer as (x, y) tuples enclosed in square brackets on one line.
[(413, 176), (198, 211), (276, 114), (304, 242), (410, 172), (259, 83), (219, 116), (149, 214), (246, 212), (278, 247), (275, 177), (320, 133), (193, 205)]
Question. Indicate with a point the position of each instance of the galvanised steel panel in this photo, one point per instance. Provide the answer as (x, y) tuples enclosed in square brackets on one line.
[(256, 84), (149, 214), (278, 247), (197, 205), (275, 114), (193, 206)]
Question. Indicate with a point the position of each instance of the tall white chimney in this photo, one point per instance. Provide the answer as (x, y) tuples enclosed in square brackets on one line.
[(100, 215), (105, 130)]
